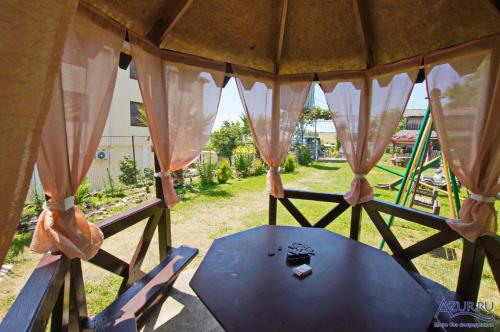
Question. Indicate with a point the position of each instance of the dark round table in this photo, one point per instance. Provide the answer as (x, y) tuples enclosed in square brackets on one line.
[(353, 287)]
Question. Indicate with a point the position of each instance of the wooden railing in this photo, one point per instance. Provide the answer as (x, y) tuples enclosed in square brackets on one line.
[(55, 289), (473, 256)]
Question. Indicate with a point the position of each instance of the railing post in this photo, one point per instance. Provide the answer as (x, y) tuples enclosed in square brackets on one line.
[(272, 210), (471, 270), (355, 222), (164, 232)]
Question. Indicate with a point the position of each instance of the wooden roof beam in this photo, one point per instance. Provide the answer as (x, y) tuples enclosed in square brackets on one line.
[(281, 35), (173, 12), (363, 22)]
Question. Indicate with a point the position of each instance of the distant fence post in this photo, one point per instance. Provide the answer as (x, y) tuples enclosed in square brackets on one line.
[(133, 158)]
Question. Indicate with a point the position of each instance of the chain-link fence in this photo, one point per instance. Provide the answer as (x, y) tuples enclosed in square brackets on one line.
[(113, 149), (106, 163)]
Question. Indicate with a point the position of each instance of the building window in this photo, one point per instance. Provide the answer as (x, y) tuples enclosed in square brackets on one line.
[(137, 114), (131, 71)]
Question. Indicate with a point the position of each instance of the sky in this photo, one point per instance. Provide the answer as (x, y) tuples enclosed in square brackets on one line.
[(230, 107)]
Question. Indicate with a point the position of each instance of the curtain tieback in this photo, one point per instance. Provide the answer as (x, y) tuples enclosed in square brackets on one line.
[(359, 176), (63, 205), (162, 174), (482, 199), (274, 170)]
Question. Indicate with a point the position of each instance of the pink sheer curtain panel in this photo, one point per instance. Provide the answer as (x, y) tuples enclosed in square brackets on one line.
[(181, 98), (78, 111), (273, 106), (32, 41), (366, 108), (464, 88)]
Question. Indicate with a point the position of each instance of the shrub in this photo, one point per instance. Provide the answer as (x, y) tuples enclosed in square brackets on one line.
[(304, 155), (243, 156), (36, 204), (82, 192), (128, 172), (335, 153), (224, 173), (289, 163), (206, 170), (258, 167), (110, 189), (148, 176)]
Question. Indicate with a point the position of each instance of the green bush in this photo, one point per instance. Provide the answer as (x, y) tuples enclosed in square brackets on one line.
[(258, 167), (110, 189), (128, 172), (82, 192), (289, 164), (243, 156), (224, 173), (304, 155), (206, 170), (35, 207)]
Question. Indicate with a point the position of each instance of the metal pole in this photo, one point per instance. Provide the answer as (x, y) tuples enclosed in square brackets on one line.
[(456, 191), (133, 157), (410, 162)]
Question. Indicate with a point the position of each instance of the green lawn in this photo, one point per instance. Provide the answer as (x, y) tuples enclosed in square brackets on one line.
[(206, 213)]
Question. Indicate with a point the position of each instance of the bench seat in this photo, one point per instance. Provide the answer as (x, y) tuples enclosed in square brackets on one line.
[(127, 310)]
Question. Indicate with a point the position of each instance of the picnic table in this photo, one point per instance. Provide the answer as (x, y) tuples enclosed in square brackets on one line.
[(246, 283)]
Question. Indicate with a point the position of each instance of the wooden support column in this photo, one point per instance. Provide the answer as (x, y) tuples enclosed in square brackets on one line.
[(471, 270), (272, 210), (355, 222)]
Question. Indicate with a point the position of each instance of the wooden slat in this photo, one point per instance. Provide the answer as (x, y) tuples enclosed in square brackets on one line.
[(431, 243), (33, 306), (272, 209), (314, 196), (332, 215), (295, 212), (413, 215), (363, 23), (164, 234), (471, 271), (119, 222), (77, 295), (495, 268), (392, 242), (281, 35), (110, 263), (174, 11), (137, 298), (134, 272), (355, 222), (491, 245)]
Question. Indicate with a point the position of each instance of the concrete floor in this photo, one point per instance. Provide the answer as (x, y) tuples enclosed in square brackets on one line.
[(182, 311)]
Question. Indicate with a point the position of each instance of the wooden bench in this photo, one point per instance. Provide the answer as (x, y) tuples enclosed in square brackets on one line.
[(129, 309)]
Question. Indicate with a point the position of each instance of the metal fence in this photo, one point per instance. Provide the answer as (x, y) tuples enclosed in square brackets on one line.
[(106, 163), (113, 149)]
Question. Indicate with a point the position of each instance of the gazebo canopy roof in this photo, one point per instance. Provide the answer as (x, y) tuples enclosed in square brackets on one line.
[(305, 36)]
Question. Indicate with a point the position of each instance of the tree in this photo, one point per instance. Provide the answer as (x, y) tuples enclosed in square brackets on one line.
[(226, 139)]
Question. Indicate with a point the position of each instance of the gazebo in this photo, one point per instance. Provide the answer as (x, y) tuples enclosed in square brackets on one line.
[(57, 79)]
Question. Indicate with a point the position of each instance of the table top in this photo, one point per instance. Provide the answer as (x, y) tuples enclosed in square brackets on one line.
[(353, 287)]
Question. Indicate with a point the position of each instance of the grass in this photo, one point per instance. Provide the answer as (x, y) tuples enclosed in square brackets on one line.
[(208, 212)]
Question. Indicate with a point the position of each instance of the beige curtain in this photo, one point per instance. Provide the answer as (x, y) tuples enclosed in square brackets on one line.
[(366, 108), (464, 89), (31, 43), (181, 97), (78, 112), (273, 106)]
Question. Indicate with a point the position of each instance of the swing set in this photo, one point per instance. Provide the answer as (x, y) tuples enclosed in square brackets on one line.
[(408, 183)]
